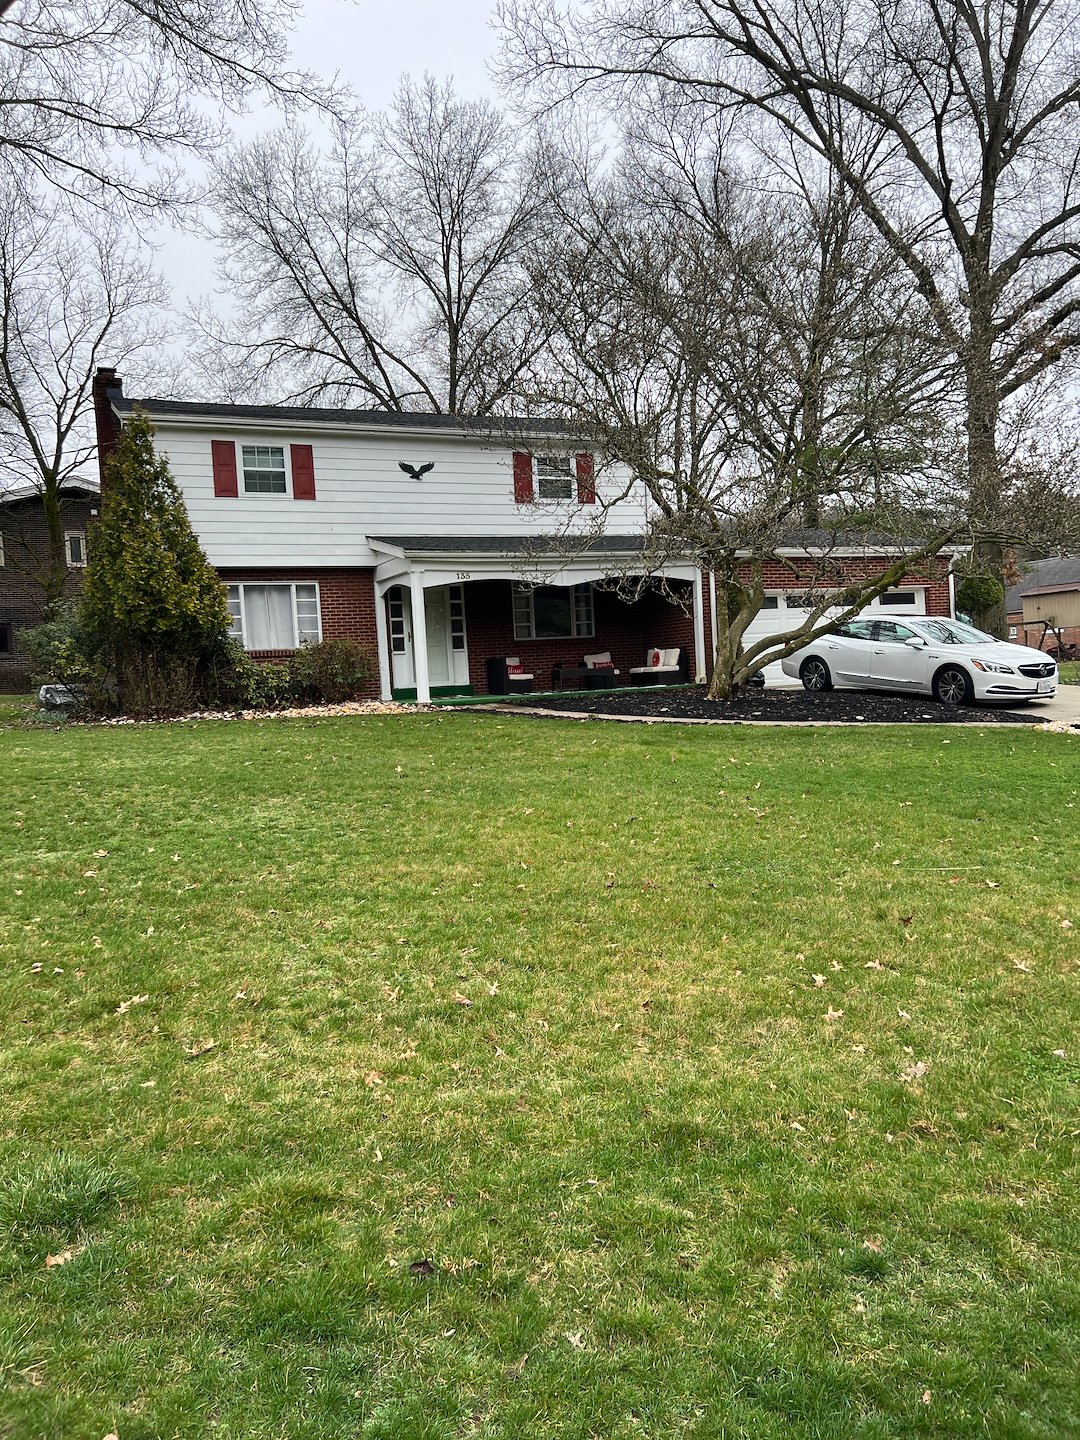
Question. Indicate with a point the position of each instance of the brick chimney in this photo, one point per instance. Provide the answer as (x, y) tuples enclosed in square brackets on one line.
[(108, 386)]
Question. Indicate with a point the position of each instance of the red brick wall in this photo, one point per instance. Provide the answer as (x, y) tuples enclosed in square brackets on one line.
[(22, 525), (346, 602), (935, 577), (626, 629)]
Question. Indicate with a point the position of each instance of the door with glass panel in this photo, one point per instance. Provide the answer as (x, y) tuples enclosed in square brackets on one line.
[(448, 658)]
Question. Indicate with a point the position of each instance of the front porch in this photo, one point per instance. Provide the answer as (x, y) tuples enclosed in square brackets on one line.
[(447, 607)]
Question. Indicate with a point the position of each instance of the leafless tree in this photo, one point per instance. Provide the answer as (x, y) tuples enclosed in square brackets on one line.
[(387, 272), (970, 112), (69, 301), (755, 364), (89, 92)]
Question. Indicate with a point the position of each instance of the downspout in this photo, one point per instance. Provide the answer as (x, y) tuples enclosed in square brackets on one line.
[(714, 633)]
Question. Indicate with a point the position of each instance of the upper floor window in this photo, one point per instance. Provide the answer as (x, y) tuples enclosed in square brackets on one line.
[(75, 549), (554, 477), (264, 469)]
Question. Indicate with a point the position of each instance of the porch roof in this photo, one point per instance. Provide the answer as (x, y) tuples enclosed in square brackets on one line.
[(492, 546)]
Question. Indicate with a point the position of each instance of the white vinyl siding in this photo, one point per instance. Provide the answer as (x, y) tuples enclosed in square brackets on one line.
[(274, 616), (362, 492)]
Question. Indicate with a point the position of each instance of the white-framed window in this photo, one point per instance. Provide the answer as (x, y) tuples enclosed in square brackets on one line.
[(770, 602), (553, 612), (555, 477), (274, 616), (456, 596), (897, 597), (1012, 632), (75, 549), (264, 469)]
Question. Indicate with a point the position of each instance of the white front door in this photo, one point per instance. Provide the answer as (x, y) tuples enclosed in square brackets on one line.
[(448, 658)]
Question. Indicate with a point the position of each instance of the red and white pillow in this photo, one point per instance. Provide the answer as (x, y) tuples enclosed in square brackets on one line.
[(656, 659), (600, 661)]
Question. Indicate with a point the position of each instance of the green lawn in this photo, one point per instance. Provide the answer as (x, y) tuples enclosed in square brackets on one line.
[(525, 1114), (1069, 672)]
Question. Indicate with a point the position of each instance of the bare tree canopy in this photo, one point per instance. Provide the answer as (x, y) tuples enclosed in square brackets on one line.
[(88, 91), (758, 362), (969, 112), (388, 272), (70, 300)]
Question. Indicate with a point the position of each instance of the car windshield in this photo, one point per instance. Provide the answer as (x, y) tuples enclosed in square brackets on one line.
[(954, 632)]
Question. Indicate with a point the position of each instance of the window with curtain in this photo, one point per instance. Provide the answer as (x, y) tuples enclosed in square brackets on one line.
[(274, 617)]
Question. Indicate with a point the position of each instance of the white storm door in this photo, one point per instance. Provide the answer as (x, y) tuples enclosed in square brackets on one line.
[(437, 607), (399, 627)]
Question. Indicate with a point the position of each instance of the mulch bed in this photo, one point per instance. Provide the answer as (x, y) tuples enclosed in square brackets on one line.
[(838, 706)]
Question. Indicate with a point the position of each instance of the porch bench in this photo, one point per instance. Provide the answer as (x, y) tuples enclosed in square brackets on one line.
[(663, 667)]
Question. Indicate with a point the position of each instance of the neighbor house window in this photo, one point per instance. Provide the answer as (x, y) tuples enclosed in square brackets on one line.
[(554, 477), (553, 612), (274, 617), (264, 469), (1, 548), (75, 549), (1012, 632), (770, 602), (5, 638), (897, 597)]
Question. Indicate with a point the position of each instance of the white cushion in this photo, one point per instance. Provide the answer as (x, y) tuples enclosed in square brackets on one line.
[(670, 658), (603, 658)]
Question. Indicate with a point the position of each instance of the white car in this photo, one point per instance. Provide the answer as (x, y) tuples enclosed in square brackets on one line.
[(948, 659)]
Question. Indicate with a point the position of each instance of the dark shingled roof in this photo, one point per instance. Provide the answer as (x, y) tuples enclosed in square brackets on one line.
[(1060, 573), (515, 544), (312, 415)]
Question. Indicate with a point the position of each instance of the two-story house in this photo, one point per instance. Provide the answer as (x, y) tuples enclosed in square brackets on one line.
[(441, 542), (444, 543)]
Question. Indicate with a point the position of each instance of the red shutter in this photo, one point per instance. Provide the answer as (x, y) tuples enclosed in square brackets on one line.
[(586, 480), (303, 472), (523, 477), (224, 457)]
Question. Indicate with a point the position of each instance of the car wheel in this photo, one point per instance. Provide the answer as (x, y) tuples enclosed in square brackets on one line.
[(952, 686), (814, 674)]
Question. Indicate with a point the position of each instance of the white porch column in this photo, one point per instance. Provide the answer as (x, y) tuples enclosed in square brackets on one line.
[(382, 641), (419, 638), (699, 628)]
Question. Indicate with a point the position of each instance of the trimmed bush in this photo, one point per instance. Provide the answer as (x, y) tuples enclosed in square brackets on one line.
[(332, 671)]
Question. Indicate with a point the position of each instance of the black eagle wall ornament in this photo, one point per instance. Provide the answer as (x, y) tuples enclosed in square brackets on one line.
[(416, 474)]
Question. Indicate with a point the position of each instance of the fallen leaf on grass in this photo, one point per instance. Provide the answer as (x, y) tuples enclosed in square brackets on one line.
[(1022, 965), (202, 1049), (513, 1372), (577, 1339), (62, 1257), (872, 1243), (819, 982), (910, 1073), (463, 1000), (373, 1078), (873, 965), (421, 1267), (36, 968), (831, 1015), (926, 1397), (1066, 925), (125, 1005), (907, 919)]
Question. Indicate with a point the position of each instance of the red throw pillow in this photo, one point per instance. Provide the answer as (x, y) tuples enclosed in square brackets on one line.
[(654, 658), (603, 665), (515, 669)]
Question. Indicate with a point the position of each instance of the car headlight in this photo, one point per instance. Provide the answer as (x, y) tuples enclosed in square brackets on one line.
[(992, 665)]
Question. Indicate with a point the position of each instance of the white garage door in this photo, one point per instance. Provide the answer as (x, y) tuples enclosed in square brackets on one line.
[(778, 616)]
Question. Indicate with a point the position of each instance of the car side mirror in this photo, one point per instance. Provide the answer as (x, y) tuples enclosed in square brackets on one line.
[(916, 642)]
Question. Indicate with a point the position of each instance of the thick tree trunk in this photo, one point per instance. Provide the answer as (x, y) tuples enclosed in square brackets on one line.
[(54, 568), (984, 465)]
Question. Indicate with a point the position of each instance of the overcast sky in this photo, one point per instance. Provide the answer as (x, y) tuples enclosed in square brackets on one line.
[(370, 44)]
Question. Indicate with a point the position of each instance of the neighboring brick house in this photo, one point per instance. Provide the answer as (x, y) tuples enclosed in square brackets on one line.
[(23, 559), (503, 534), (1045, 605)]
